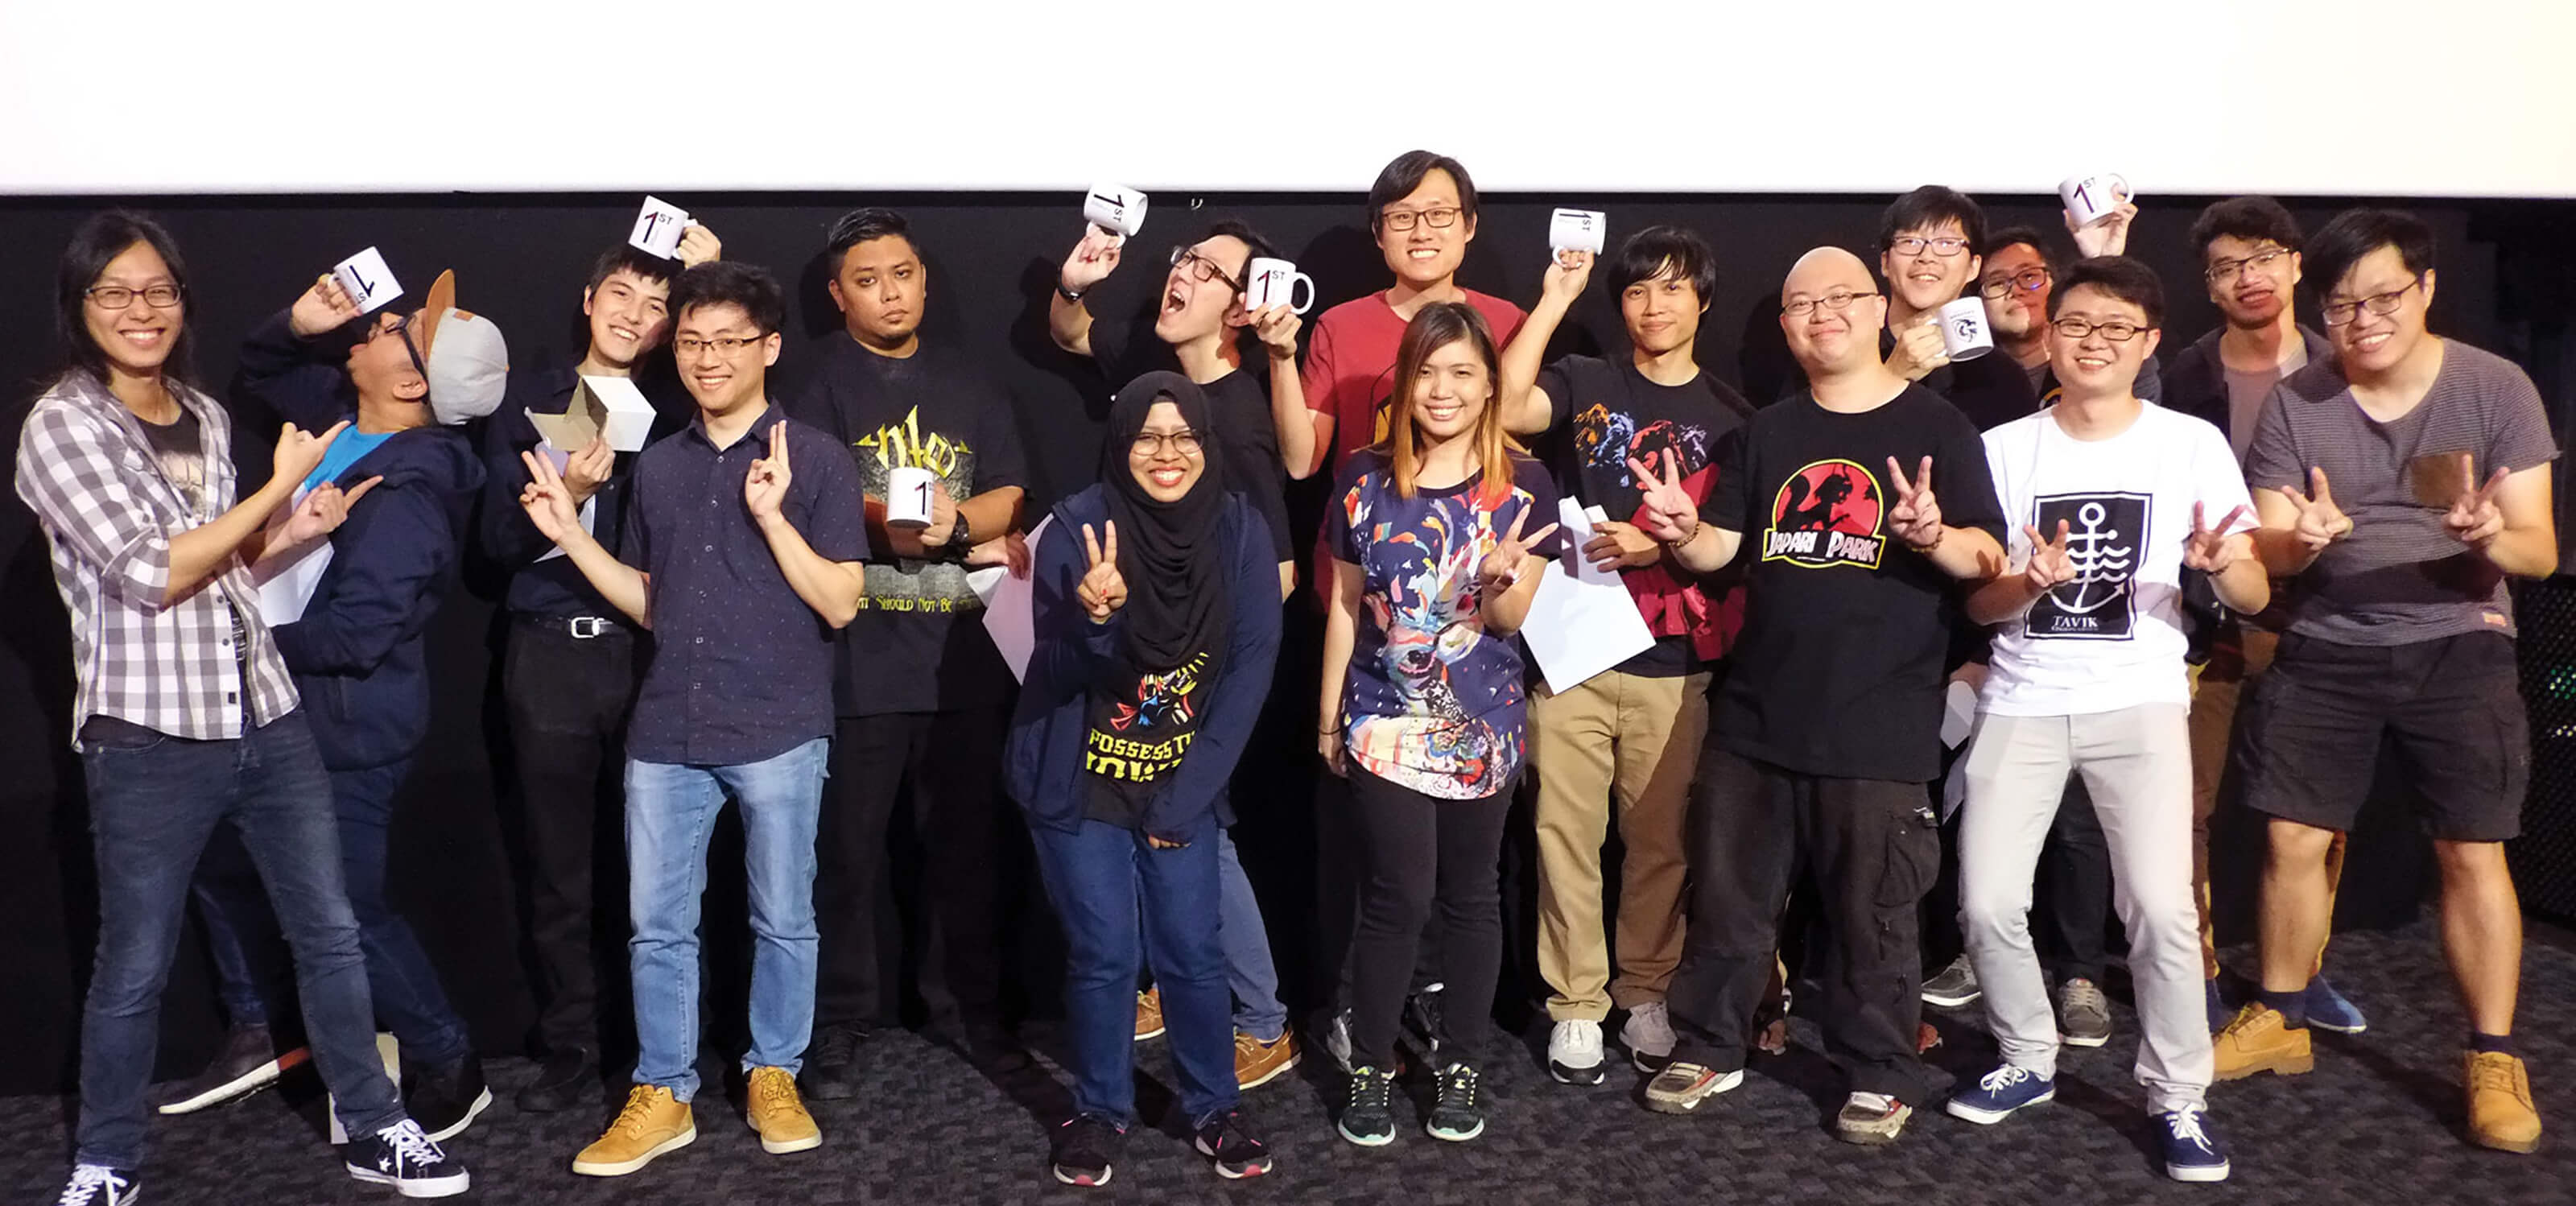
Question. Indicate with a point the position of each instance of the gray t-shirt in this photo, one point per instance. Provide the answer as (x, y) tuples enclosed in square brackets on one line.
[(2399, 578), (2246, 392)]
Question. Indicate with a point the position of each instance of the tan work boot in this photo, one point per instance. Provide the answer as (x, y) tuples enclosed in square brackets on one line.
[(2261, 1040), (778, 1115), (1259, 1063), (2501, 1115), (652, 1123), (1149, 1014)]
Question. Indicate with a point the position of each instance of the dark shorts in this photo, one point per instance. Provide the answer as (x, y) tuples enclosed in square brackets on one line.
[(2309, 739)]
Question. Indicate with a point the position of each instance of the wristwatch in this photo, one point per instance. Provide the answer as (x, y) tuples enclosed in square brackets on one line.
[(957, 535)]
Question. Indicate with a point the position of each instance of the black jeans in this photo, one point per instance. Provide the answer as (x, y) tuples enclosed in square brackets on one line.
[(567, 699), (1424, 857), (951, 762), (1873, 849)]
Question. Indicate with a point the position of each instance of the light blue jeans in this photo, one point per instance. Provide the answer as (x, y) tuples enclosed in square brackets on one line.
[(670, 810)]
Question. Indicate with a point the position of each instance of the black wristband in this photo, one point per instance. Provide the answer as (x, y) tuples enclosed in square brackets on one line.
[(1071, 295)]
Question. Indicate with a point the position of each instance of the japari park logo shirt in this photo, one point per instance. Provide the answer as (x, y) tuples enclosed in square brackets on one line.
[(1827, 514)]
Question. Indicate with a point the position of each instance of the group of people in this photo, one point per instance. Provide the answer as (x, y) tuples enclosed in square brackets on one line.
[(2102, 556)]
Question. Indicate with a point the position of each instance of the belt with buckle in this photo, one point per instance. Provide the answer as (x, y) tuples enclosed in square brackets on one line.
[(579, 628)]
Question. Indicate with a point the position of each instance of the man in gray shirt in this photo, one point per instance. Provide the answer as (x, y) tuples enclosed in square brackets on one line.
[(2400, 626)]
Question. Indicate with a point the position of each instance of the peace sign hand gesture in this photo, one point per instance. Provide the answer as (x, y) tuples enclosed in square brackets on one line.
[(765, 487), (1916, 518), (1501, 570), (1668, 513), (2050, 565), (1103, 589), (2211, 550), (2320, 522), (2474, 517)]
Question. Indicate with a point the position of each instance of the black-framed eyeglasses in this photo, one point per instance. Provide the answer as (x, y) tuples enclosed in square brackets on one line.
[(1203, 269), (1437, 219), (1151, 443), (1944, 247), (727, 346), (2028, 280), (118, 297), (400, 328), (2227, 270), (1837, 301), (2339, 313), (2116, 330)]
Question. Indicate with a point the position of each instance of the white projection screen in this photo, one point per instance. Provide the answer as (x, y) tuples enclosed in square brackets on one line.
[(2461, 98)]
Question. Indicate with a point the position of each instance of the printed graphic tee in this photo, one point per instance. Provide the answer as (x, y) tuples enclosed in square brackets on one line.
[(1839, 668), (1134, 736), (2113, 637)]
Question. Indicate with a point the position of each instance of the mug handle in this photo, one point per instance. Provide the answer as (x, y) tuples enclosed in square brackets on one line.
[(1294, 280)]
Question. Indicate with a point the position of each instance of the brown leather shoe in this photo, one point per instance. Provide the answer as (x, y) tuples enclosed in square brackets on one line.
[(1149, 1014), (2261, 1040), (2501, 1115), (778, 1115), (652, 1123), (1259, 1063)]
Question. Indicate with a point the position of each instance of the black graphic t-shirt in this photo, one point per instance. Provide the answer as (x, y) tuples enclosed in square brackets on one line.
[(1839, 668), (1605, 412), (918, 643), (1239, 404), (1135, 735)]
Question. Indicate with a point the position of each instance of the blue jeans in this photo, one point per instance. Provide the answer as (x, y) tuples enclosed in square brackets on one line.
[(1096, 875), (251, 971), (1248, 968), (153, 801), (670, 810), (408, 998)]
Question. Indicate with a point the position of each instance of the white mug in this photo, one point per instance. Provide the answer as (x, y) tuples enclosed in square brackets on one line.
[(1577, 230), (2093, 198), (658, 227), (907, 501), (1964, 334), (1116, 209), (1269, 282)]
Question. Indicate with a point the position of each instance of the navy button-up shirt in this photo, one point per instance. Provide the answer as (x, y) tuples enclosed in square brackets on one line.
[(741, 668)]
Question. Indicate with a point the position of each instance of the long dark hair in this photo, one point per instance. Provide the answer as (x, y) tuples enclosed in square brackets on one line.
[(1437, 326), (100, 238)]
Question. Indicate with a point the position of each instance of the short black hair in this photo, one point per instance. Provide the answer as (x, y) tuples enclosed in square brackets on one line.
[(2027, 236), (2253, 219), (1405, 173), (861, 225), (627, 257), (1657, 251), (1926, 208), (731, 283), (1238, 229), (2118, 275), (2355, 233), (97, 241)]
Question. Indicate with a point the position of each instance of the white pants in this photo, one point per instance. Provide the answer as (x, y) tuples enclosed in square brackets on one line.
[(2136, 764)]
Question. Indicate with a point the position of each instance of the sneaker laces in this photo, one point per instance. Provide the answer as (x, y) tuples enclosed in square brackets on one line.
[(1458, 1088), (1369, 1088), (637, 1113), (1230, 1125), (87, 1180), (2496, 1074), (410, 1143), (2003, 1078), (2085, 994), (840, 1043), (2185, 1125), (775, 1089)]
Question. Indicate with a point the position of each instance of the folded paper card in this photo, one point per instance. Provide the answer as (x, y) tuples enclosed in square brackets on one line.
[(600, 405), (1582, 623)]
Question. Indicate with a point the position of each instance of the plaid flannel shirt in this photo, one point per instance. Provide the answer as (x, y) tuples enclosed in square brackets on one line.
[(88, 472)]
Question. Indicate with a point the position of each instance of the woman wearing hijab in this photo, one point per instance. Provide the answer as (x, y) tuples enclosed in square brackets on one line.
[(1156, 625)]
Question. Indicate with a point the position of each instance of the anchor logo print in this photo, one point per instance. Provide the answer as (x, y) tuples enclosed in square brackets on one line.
[(2104, 534)]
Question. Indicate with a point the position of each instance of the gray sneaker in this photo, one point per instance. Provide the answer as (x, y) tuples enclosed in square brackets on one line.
[(1680, 1087), (1871, 1118), (1953, 986), (2083, 1014), (1648, 1035)]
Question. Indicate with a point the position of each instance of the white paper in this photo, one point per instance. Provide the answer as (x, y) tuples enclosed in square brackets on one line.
[(286, 581), (658, 227), (626, 416), (367, 280), (1010, 609), (1958, 713), (1583, 623)]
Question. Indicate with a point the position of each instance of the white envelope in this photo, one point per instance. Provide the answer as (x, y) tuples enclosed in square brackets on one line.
[(658, 228), (367, 280), (1010, 608), (1583, 623)]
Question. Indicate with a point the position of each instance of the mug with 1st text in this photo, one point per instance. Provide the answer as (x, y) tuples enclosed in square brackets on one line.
[(1268, 282), (1964, 334), (2095, 197), (907, 498), (1113, 208)]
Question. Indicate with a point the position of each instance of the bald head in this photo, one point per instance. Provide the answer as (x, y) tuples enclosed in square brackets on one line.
[(1823, 270), (1831, 313)]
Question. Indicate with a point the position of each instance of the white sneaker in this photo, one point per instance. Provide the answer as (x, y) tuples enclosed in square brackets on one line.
[(1648, 1035), (1574, 1052)]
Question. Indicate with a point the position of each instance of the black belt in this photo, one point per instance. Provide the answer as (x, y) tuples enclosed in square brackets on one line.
[(580, 628)]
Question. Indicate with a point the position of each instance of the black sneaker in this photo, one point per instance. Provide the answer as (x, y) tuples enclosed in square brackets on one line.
[(833, 1072), (248, 1063), (1424, 1028), (99, 1185), (1087, 1148), (1459, 1115), (569, 1078), (1229, 1140), (444, 1101), (404, 1157), (1367, 1117)]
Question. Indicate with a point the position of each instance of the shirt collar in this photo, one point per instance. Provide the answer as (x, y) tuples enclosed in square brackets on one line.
[(759, 427)]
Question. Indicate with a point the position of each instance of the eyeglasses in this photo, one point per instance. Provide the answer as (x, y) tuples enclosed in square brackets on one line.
[(399, 326), (725, 345), (1944, 247), (1151, 443), (2340, 313), (1203, 269), (1837, 301), (118, 297), (2028, 280), (2115, 330), (2227, 270), (1436, 219)]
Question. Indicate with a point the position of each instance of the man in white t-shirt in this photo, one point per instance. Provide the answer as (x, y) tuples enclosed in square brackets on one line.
[(2111, 500)]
